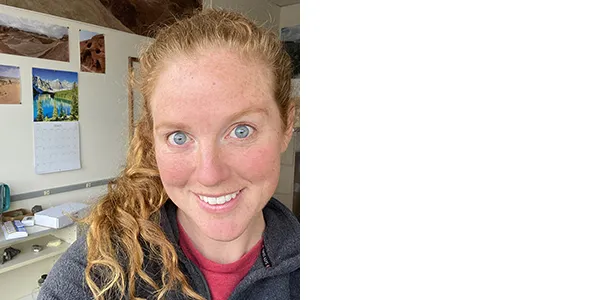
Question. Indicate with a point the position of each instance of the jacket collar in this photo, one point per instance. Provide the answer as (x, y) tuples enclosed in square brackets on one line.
[(281, 236)]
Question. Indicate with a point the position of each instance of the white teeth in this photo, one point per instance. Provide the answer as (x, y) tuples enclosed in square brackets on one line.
[(228, 197), (218, 200)]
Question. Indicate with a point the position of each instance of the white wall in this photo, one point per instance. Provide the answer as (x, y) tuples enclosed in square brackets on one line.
[(102, 111), (262, 12), (289, 15)]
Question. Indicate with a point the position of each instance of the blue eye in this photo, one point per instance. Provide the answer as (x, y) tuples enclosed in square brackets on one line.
[(241, 131), (178, 138)]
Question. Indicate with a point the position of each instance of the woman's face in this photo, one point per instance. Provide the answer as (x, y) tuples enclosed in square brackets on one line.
[(218, 138)]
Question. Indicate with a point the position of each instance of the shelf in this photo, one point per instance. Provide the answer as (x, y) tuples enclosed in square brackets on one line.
[(27, 256), (33, 231)]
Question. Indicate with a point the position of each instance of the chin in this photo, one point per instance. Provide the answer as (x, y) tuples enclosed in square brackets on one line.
[(232, 227), (223, 231)]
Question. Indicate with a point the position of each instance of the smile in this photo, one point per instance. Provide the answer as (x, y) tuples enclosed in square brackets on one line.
[(218, 200)]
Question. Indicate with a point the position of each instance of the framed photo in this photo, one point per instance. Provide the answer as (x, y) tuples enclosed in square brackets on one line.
[(135, 97)]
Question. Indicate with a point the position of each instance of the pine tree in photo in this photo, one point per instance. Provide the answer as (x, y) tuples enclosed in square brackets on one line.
[(61, 112), (55, 112), (40, 112), (75, 103)]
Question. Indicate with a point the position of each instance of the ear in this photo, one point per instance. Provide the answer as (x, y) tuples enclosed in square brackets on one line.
[(289, 131)]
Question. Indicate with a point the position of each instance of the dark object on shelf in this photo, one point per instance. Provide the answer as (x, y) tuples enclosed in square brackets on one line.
[(42, 279), (36, 209), (9, 253), (36, 248)]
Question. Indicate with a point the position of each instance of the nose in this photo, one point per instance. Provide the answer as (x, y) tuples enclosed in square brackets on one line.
[(211, 167)]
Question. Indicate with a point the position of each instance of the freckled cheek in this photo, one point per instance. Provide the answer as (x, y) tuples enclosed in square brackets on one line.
[(258, 164), (175, 169)]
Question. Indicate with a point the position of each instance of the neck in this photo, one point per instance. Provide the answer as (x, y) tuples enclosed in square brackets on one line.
[(223, 252)]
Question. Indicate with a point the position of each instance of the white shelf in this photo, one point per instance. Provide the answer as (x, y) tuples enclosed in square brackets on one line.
[(27, 256), (33, 231)]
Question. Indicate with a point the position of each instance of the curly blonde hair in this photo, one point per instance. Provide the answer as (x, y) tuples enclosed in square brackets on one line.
[(125, 221)]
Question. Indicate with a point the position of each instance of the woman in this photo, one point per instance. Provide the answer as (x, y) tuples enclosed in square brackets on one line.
[(192, 215)]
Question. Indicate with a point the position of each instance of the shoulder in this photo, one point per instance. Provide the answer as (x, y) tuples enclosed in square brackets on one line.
[(67, 274), (282, 232), (295, 284), (276, 213)]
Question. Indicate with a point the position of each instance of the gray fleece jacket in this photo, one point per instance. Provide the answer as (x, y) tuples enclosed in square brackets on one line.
[(274, 275)]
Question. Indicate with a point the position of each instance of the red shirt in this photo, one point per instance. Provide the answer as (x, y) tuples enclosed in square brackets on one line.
[(221, 278)]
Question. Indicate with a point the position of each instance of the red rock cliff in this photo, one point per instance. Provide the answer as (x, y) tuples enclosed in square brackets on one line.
[(92, 55)]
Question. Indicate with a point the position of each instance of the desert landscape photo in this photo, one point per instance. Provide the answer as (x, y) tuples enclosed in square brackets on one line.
[(20, 36), (91, 52), (10, 85)]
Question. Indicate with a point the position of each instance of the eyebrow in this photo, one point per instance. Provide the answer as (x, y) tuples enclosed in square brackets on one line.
[(185, 126), (248, 111), (169, 125)]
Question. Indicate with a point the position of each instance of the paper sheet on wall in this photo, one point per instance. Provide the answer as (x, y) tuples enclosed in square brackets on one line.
[(56, 146)]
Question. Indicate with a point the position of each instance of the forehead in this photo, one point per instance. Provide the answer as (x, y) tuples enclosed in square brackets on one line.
[(211, 82)]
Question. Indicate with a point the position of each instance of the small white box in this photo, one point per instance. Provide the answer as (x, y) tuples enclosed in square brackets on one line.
[(60, 216), (28, 221)]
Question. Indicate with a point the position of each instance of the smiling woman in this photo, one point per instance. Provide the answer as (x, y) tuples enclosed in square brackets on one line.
[(193, 214), (220, 151)]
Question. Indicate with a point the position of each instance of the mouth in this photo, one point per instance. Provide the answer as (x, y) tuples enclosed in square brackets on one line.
[(219, 199)]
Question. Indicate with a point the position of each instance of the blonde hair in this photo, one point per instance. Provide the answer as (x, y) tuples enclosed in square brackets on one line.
[(125, 222)]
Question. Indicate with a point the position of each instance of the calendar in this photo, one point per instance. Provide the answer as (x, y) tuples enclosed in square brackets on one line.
[(56, 147)]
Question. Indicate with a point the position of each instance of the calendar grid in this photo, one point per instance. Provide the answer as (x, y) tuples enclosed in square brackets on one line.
[(56, 147)]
